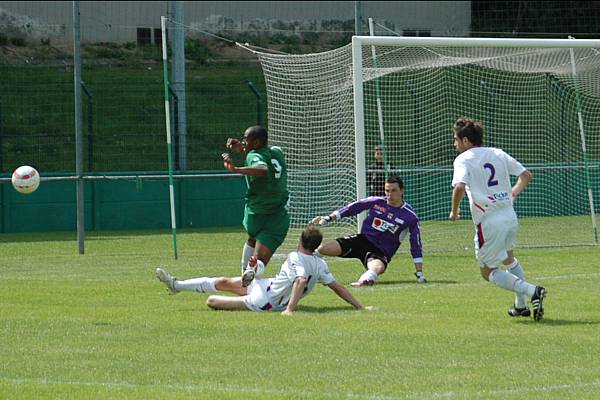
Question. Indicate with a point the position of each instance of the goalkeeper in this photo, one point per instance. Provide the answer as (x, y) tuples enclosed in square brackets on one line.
[(389, 220), (266, 219)]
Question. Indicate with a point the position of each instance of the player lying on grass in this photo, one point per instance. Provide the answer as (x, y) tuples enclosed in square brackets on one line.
[(296, 278), (484, 174), (388, 221)]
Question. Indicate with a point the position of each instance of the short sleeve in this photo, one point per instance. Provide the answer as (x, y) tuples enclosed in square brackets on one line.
[(325, 276), (295, 267), (253, 159), (514, 167), (460, 172)]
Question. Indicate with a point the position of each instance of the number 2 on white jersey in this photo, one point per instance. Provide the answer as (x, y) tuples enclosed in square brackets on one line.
[(491, 181)]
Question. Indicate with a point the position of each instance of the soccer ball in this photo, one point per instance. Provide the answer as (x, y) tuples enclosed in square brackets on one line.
[(25, 179)]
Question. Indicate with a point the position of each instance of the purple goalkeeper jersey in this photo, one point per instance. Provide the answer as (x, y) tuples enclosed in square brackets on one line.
[(386, 226)]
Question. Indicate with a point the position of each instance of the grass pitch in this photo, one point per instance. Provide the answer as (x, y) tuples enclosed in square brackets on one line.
[(101, 326)]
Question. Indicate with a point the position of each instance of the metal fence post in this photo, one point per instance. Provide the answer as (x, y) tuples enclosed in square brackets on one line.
[(90, 125), (258, 102)]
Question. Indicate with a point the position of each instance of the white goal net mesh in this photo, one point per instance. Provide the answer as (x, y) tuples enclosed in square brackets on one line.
[(527, 98)]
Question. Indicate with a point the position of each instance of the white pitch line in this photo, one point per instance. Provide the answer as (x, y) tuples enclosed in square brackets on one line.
[(523, 390), (481, 282), (303, 392), (204, 388)]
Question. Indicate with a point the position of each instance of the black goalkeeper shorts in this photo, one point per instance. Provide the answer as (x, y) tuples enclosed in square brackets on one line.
[(358, 246)]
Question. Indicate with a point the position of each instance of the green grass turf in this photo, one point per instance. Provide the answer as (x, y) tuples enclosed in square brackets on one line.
[(100, 325)]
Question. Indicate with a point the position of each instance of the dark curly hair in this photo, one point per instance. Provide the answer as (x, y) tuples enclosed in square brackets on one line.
[(469, 128)]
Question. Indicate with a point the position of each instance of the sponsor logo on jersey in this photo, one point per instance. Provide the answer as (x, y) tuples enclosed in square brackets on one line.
[(383, 225), (379, 208), (502, 196)]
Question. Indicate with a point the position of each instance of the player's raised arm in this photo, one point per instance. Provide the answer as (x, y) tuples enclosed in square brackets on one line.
[(255, 170), (323, 220), (228, 162), (235, 145)]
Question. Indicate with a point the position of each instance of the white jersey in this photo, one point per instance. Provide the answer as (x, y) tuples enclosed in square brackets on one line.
[(486, 173), (313, 268)]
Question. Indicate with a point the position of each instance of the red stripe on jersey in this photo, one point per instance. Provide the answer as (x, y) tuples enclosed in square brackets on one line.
[(478, 206), (480, 239)]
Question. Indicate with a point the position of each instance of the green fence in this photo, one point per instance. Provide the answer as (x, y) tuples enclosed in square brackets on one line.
[(218, 202), (122, 204)]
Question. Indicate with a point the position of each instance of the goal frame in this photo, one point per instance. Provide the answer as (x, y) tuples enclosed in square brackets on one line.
[(358, 42)]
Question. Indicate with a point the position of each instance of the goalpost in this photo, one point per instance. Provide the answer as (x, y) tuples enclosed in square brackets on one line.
[(539, 99)]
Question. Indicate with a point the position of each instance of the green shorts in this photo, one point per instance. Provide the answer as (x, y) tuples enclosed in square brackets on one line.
[(269, 229)]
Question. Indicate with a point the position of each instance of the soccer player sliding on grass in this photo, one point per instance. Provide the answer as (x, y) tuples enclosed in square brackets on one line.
[(388, 221), (296, 279), (484, 174)]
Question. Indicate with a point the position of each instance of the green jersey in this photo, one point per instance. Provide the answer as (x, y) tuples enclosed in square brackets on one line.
[(267, 194)]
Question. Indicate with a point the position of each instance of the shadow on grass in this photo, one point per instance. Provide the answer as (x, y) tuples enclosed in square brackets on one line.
[(301, 309), (309, 309), (68, 236), (413, 282), (559, 322), (38, 237), (323, 310)]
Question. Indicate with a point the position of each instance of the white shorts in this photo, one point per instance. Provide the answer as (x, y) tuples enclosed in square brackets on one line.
[(494, 236), (257, 298)]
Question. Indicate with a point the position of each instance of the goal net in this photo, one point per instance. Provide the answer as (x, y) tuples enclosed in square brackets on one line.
[(538, 99)]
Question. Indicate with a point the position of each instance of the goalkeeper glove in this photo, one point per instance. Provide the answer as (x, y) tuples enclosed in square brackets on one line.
[(322, 221)]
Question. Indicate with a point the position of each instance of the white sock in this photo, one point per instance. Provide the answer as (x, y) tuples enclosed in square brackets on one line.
[(247, 252), (368, 276), (200, 285), (260, 268), (508, 281), (524, 288), (516, 269)]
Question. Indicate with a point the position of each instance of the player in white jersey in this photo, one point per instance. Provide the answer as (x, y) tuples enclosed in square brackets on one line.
[(296, 278), (484, 174)]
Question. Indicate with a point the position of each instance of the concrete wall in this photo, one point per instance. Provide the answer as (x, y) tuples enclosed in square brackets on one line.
[(117, 21)]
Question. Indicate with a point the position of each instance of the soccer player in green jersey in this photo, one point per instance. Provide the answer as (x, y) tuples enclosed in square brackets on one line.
[(266, 219)]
